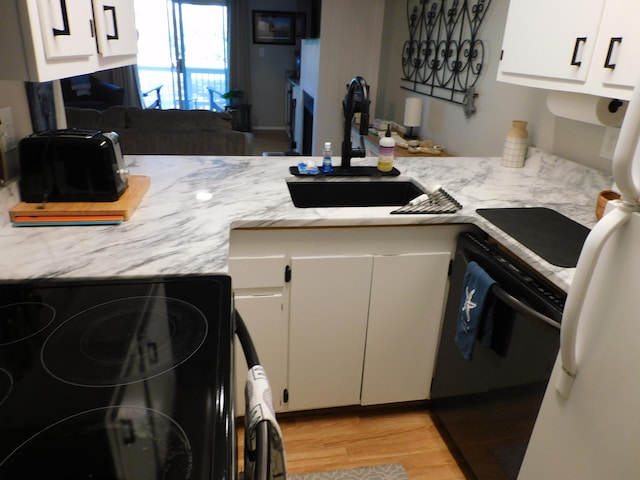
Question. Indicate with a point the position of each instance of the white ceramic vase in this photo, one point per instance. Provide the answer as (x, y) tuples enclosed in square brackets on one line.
[(515, 145)]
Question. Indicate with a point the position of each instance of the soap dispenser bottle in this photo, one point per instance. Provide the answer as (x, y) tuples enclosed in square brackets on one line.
[(326, 158), (387, 151)]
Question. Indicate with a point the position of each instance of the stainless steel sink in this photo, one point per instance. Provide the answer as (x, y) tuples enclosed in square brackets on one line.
[(366, 192)]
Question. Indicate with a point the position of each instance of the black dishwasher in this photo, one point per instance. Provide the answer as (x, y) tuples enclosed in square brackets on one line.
[(486, 407)]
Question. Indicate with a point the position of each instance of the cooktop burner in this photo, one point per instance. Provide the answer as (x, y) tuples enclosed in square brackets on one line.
[(124, 341), (130, 439), (117, 379), (22, 320)]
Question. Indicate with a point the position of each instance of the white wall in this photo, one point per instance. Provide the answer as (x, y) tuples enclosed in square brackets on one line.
[(269, 66), (497, 103), (346, 50), (13, 94)]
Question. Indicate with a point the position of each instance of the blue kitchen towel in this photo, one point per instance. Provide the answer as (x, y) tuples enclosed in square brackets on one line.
[(472, 324)]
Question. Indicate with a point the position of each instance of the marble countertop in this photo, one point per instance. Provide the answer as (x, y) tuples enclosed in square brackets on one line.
[(175, 232)]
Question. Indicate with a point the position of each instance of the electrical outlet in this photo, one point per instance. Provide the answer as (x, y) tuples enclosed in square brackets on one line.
[(609, 142)]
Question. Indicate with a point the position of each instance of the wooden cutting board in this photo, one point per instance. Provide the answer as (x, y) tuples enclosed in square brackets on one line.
[(124, 206)]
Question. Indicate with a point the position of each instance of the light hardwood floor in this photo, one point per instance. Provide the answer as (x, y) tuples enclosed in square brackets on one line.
[(324, 441), (270, 141)]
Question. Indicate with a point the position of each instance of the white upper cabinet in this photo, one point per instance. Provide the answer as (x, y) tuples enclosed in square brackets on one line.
[(44, 40), (615, 67), (115, 27), (65, 27), (550, 38), (571, 45)]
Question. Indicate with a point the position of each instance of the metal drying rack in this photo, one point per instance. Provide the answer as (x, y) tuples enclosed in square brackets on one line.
[(436, 202)]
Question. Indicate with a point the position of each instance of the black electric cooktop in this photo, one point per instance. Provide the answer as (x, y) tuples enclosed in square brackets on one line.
[(122, 380), (549, 234)]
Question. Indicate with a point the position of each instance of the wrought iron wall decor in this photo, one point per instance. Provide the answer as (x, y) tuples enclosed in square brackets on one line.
[(443, 56)]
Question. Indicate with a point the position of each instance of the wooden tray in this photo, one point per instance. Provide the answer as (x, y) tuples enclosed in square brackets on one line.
[(124, 206)]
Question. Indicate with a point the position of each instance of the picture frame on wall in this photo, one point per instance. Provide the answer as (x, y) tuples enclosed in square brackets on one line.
[(275, 28)]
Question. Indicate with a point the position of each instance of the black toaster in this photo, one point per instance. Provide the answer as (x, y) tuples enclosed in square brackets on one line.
[(71, 165)]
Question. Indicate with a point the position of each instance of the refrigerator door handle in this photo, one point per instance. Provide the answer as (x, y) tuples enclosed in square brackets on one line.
[(573, 308), (626, 157)]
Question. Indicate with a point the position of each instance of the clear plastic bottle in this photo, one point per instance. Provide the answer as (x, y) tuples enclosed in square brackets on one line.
[(387, 152), (326, 158)]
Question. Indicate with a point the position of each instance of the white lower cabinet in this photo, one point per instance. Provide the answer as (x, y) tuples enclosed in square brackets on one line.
[(327, 330), (406, 306), (264, 317), (343, 316), (258, 295)]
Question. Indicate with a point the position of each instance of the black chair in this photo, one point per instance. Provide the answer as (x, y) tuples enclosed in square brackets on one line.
[(155, 102), (216, 100)]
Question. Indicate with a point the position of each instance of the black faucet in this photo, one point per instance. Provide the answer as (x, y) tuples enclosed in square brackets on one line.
[(357, 99)]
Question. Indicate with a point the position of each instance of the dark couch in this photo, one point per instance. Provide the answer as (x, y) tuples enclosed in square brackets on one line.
[(165, 132)]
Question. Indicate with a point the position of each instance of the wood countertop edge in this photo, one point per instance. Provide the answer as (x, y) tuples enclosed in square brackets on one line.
[(125, 205)]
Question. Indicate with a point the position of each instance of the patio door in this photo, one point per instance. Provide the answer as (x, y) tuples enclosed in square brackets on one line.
[(183, 46), (198, 35)]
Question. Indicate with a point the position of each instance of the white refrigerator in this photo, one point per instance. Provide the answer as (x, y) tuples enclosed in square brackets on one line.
[(589, 421)]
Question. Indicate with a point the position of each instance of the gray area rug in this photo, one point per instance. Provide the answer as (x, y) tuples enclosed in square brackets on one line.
[(393, 471)]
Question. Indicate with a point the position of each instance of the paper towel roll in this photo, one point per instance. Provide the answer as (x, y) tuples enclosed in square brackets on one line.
[(587, 108)]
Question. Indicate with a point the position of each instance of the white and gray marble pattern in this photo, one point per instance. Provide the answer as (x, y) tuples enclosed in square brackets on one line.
[(172, 232)]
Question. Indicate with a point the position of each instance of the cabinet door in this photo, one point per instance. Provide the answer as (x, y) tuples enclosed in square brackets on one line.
[(265, 320), (328, 311), (66, 28), (550, 38), (405, 316), (615, 62), (258, 288), (115, 27)]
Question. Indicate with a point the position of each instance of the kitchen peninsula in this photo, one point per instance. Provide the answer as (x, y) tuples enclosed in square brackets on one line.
[(177, 231), (338, 300)]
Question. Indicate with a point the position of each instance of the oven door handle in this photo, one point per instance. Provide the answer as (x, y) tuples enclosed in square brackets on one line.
[(521, 308), (261, 457), (249, 350), (516, 304)]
